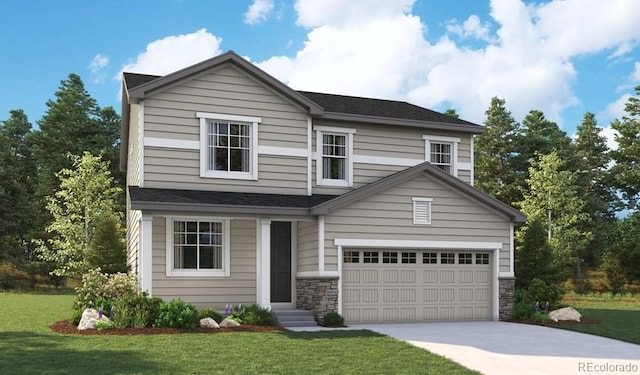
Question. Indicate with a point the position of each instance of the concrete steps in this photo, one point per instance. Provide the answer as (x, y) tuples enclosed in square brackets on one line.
[(295, 318)]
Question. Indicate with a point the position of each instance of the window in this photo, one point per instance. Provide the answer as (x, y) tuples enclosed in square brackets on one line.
[(465, 258), (482, 258), (421, 211), (447, 258), (351, 257), (370, 257), (197, 247), (408, 258), (429, 258), (228, 146), (389, 257), (442, 152), (334, 156)]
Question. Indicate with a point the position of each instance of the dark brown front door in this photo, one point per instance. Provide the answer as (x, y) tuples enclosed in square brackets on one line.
[(280, 261)]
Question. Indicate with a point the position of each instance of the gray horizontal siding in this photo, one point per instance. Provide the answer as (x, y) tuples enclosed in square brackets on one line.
[(240, 287), (133, 156), (170, 114), (307, 246), (388, 216)]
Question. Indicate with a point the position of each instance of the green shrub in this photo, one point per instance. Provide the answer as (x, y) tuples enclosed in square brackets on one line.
[(333, 319), (136, 311), (97, 285), (107, 248), (538, 290), (208, 312), (523, 311), (76, 317), (177, 314), (102, 325), (11, 277), (257, 315), (539, 317)]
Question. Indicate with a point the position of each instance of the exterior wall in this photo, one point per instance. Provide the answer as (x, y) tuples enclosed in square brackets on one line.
[(307, 246), (372, 142), (133, 239), (170, 115), (319, 295), (214, 292), (506, 298), (389, 215), (133, 158)]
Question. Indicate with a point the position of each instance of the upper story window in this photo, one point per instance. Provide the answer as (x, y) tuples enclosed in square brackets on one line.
[(334, 156), (197, 247), (228, 146), (442, 152)]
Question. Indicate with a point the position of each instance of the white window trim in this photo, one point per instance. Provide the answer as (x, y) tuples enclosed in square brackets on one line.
[(416, 202), (428, 139), (253, 168), (226, 249), (348, 132)]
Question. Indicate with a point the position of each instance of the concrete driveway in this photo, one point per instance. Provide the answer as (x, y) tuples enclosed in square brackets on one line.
[(511, 348)]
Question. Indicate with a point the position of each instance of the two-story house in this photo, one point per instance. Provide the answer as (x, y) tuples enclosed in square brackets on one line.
[(243, 190)]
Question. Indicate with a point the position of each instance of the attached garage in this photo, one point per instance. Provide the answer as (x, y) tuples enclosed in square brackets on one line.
[(409, 285)]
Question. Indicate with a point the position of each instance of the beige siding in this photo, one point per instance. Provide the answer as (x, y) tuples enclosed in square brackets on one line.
[(171, 114), (388, 216), (465, 176), (307, 246), (133, 239), (216, 292), (133, 158), (392, 142)]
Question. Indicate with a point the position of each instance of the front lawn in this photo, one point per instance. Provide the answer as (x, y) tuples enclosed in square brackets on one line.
[(28, 346), (618, 316)]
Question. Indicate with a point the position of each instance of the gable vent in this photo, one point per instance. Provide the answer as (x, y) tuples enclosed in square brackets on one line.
[(422, 210)]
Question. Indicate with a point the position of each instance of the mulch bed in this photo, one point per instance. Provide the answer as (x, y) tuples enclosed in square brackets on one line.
[(551, 323), (65, 327)]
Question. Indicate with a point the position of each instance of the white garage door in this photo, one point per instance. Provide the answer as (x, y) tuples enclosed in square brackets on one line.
[(416, 285)]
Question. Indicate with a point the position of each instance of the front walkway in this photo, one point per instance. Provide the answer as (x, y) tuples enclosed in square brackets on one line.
[(511, 348)]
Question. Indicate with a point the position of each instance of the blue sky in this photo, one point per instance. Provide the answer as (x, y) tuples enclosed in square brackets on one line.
[(564, 57)]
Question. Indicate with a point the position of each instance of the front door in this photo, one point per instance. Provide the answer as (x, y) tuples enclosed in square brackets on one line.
[(280, 261)]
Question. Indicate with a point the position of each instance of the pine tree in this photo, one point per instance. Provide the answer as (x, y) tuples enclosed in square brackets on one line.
[(496, 155), (627, 169)]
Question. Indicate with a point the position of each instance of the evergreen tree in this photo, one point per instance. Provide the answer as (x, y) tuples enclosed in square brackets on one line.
[(627, 169), (541, 136), (496, 155), (17, 181), (533, 258), (594, 183), (452, 113), (107, 248)]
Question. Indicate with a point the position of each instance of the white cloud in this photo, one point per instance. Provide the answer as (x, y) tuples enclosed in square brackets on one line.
[(315, 13), (615, 109), (471, 27), (610, 134), (96, 68), (258, 11), (175, 52)]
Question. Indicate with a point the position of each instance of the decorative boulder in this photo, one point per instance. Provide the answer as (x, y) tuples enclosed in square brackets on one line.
[(565, 313), (89, 319), (229, 323), (209, 323)]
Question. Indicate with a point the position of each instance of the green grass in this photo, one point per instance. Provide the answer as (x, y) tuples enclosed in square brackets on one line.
[(27, 346), (617, 315)]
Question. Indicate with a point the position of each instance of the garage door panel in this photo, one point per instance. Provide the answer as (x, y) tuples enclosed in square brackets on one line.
[(395, 289)]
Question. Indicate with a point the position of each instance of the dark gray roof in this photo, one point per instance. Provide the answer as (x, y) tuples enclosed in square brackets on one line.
[(133, 80), (379, 107), (231, 202)]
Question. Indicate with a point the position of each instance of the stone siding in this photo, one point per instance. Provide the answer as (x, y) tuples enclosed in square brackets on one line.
[(319, 295), (506, 298)]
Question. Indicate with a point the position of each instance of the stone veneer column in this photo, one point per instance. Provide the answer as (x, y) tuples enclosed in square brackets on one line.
[(506, 297), (319, 295)]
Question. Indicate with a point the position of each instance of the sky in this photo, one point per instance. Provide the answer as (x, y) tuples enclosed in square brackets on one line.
[(563, 57)]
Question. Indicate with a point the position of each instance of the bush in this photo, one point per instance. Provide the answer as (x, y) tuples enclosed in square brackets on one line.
[(257, 315), (136, 311), (102, 325), (538, 290), (333, 319), (76, 317), (11, 277), (208, 312), (177, 314), (101, 286)]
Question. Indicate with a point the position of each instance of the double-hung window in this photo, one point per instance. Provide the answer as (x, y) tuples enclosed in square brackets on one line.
[(442, 152), (334, 156), (228, 146), (197, 247)]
